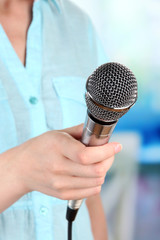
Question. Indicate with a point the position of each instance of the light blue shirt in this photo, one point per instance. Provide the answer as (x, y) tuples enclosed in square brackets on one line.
[(48, 93)]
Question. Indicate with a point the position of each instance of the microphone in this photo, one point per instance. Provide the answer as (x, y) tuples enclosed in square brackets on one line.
[(111, 90)]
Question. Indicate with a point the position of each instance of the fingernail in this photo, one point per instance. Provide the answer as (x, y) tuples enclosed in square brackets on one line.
[(118, 148)]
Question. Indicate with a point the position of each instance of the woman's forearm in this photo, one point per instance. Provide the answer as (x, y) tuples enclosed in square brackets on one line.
[(97, 217), (11, 188)]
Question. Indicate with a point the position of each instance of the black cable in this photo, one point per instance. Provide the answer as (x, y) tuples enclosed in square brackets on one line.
[(70, 216), (69, 230)]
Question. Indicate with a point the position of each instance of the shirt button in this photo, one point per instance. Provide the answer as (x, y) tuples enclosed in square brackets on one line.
[(43, 211), (33, 100)]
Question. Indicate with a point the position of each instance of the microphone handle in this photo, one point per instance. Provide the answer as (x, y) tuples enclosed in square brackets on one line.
[(95, 133)]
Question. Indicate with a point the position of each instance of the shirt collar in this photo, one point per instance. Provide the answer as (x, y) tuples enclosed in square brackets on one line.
[(55, 2)]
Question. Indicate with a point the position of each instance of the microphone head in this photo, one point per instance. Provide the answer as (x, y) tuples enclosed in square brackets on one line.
[(110, 92)]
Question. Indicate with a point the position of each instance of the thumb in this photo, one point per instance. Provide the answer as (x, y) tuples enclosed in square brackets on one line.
[(75, 131)]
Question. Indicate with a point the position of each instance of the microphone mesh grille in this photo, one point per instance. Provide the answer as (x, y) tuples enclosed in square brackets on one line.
[(111, 85), (101, 114)]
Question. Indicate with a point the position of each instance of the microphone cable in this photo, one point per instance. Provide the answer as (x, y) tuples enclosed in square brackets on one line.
[(69, 230), (70, 216)]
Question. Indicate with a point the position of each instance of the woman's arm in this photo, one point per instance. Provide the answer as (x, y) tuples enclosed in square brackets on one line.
[(97, 217), (11, 187)]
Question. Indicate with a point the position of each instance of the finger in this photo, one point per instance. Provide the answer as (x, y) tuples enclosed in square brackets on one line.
[(70, 168), (71, 182), (78, 152), (90, 155), (103, 167), (96, 170), (69, 146), (75, 132), (74, 194)]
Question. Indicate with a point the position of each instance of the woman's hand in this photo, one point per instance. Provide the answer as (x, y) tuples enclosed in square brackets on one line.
[(58, 164)]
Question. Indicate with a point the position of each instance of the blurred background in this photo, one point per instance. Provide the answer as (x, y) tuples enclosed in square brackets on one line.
[(130, 33)]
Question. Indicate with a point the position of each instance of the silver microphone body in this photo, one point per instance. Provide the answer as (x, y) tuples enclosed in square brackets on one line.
[(94, 134)]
